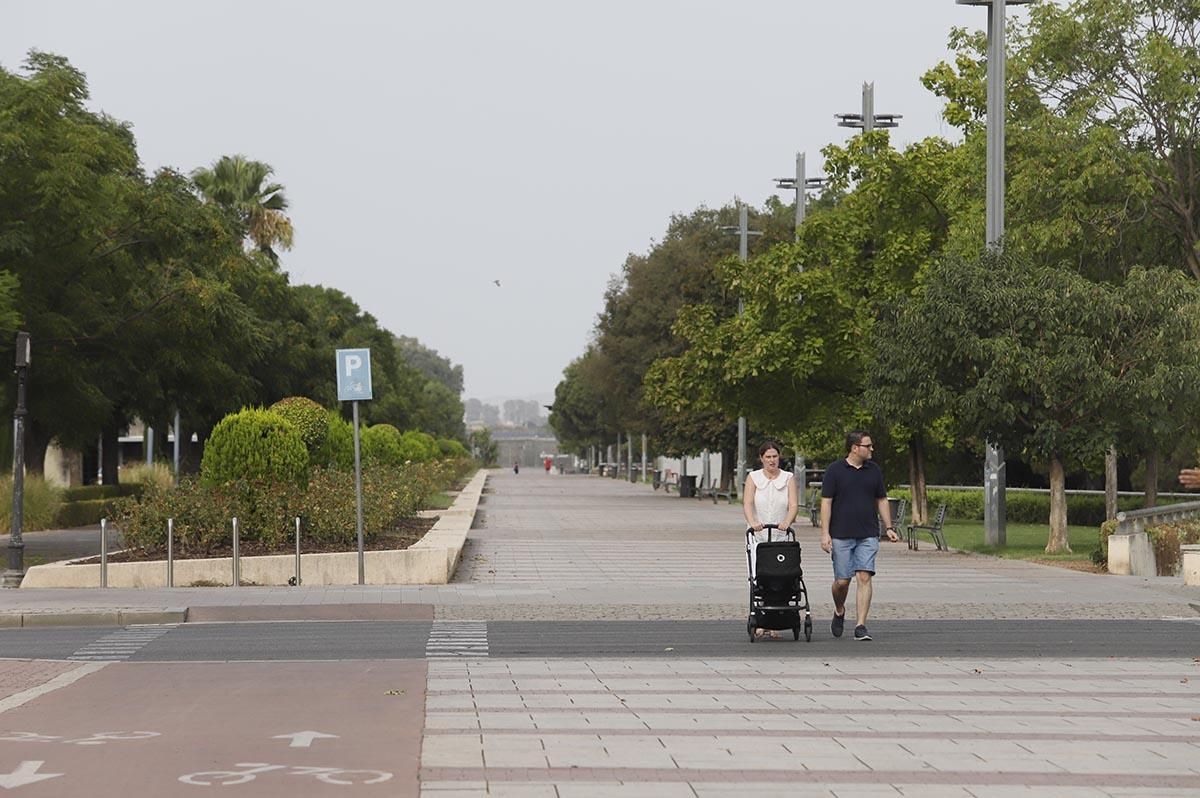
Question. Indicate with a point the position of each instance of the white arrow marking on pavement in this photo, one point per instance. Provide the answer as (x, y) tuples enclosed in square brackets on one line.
[(26, 773), (303, 739)]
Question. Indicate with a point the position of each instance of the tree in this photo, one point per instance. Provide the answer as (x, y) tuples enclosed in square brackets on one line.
[(240, 186), (1131, 66), (430, 363), (1046, 362)]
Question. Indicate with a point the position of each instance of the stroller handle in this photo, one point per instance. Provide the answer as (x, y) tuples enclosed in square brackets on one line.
[(785, 531)]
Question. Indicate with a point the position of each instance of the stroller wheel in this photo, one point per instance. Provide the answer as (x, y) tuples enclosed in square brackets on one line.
[(750, 629), (807, 630), (795, 632)]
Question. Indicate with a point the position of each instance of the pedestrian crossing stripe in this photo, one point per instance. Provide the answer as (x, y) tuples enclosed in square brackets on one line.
[(457, 639), (123, 643)]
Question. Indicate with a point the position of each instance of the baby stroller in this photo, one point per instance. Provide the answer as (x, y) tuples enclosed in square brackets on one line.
[(777, 592)]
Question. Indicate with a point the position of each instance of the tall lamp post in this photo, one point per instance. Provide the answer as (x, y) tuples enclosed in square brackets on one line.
[(868, 120), (16, 546), (801, 184), (744, 234), (994, 522)]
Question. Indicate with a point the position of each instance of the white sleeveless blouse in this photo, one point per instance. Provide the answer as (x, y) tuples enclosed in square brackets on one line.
[(770, 496)]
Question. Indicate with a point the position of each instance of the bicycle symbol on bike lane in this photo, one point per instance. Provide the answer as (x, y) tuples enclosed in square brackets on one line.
[(252, 770)]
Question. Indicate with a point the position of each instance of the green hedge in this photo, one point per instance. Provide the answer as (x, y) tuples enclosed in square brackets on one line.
[(89, 492), (83, 513), (1025, 508)]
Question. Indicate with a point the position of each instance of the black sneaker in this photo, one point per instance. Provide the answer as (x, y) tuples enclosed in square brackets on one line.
[(861, 633), (839, 623)]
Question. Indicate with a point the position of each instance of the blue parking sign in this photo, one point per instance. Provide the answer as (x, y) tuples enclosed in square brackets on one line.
[(353, 374)]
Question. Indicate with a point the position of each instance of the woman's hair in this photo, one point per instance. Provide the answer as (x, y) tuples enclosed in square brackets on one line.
[(769, 444)]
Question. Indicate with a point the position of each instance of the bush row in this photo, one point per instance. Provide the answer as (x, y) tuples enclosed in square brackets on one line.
[(1025, 508), (265, 510)]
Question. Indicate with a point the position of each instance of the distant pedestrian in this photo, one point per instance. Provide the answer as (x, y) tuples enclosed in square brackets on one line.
[(516, 467), (547, 463), (852, 492)]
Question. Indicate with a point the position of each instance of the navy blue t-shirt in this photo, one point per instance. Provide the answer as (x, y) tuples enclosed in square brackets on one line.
[(856, 493)]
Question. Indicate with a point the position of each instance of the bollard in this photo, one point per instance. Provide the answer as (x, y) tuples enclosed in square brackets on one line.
[(170, 552), (297, 551), (237, 572), (103, 552)]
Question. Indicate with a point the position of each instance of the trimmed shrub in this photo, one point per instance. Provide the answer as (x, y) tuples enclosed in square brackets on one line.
[(84, 513), (39, 506), (203, 516), (382, 445), (309, 418), (1022, 507), (1167, 538), (86, 492), (337, 450), (451, 448), (420, 447), (254, 445)]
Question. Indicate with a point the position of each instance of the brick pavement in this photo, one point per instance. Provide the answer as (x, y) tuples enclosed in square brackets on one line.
[(731, 727)]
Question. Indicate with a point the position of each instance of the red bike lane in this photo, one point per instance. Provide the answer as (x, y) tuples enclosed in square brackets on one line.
[(240, 728)]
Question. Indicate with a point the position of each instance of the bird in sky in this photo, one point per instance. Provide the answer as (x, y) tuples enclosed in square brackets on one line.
[(497, 282)]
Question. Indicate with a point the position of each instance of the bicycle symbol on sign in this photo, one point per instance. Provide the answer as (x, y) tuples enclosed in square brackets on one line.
[(341, 776)]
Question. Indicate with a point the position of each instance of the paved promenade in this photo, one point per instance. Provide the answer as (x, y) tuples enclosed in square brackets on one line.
[(556, 563), (587, 548)]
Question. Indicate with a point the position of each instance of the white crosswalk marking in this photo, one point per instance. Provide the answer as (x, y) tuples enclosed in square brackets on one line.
[(123, 643), (457, 639)]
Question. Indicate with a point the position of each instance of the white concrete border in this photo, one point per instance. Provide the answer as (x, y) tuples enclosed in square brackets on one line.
[(430, 561)]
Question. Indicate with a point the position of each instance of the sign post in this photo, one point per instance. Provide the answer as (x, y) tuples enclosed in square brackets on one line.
[(354, 385)]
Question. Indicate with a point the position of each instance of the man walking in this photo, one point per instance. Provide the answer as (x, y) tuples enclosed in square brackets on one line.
[(851, 494)]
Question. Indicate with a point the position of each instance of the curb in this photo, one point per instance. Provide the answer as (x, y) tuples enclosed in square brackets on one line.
[(14, 620)]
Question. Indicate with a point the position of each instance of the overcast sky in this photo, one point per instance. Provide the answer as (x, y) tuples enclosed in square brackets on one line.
[(431, 148)]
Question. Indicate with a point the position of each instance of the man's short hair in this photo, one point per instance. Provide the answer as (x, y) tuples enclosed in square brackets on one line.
[(854, 437)]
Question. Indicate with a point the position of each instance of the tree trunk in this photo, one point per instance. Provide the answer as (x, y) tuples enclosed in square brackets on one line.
[(36, 444), (110, 455), (1110, 483), (190, 454), (1058, 543), (1151, 478), (728, 466), (919, 511)]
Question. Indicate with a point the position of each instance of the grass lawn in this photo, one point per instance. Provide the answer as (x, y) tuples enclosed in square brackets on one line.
[(439, 501), (1024, 541)]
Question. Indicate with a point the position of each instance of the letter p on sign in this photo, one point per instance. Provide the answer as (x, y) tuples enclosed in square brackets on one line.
[(353, 374)]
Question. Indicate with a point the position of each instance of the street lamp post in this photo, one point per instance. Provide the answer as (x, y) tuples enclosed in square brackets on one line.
[(994, 522), (744, 234), (801, 184), (868, 120), (16, 546)]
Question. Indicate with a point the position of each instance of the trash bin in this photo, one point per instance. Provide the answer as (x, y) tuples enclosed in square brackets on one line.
[(893, 507), (687, 486)]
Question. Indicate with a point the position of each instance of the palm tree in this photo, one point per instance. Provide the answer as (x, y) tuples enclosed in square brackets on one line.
[(239, 184)]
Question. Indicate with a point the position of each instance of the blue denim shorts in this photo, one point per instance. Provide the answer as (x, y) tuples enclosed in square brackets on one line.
[(854, 554)]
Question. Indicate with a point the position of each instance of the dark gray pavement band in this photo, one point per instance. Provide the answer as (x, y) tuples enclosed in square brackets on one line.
[(385, 640)]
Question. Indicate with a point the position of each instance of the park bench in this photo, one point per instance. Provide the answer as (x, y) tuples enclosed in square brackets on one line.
[(934, 529), (901, 510), (714, 491), (814, 506)]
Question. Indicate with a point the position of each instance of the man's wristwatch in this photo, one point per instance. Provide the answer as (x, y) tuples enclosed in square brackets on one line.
[(889, 529)]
